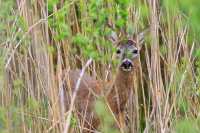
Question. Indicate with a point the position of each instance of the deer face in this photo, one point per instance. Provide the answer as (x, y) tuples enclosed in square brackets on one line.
[(127, 54)]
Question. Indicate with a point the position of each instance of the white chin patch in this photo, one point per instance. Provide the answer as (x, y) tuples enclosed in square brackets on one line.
[(126, 70)]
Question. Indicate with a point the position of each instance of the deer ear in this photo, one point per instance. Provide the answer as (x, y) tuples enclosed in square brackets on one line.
[(113, 37), (140, 37)]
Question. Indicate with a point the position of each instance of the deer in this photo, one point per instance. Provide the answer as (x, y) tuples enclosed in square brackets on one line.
[(116, 92)]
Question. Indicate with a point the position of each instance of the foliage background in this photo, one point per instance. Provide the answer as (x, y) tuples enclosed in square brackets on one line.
[(39, 38)]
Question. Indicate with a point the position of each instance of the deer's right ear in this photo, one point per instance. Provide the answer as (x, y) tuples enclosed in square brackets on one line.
[(113, 37)]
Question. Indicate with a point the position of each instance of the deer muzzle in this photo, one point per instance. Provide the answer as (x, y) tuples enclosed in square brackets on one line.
[(126, 65)]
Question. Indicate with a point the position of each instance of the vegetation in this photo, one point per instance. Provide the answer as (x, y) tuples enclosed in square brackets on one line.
[(39, 39)]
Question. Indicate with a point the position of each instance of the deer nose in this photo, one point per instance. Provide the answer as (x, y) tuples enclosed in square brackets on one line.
[(127, 64)]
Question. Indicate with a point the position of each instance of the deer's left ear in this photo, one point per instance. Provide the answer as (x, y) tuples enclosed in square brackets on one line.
[(140, 37)]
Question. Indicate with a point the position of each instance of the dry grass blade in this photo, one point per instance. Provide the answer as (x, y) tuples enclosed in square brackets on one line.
[(66, 129)]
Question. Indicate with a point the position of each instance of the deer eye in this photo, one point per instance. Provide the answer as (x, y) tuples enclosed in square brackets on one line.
[(135, 51), (118, 51)]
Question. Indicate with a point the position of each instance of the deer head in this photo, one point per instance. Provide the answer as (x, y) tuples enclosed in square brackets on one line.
[(127, 51), (127, 54)]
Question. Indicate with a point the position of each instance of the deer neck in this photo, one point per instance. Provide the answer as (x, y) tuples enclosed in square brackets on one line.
[(120, 90), (123, 81)]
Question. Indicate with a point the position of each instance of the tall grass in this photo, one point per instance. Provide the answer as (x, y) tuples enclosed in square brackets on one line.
[(39, 39)]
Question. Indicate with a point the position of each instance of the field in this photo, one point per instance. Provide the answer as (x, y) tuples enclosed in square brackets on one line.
[(39, 39)]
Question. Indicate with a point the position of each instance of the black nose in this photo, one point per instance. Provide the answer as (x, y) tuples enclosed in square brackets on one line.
[(126, 64)]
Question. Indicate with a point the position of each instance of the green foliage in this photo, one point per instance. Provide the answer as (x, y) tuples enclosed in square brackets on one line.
[(18, 85), (5, 17), (51, 4), (83, 26), (5, 9), (191, 9), (51, 49), (198, 76), (107, 120), (122, 12), (58, 21), (32, 104), (86, 46), (144, 11), (2, 118), (15, 117), (22, 23), (183, 105), (187, 126), (197, 53), (73, 121), (81, 40), (171, 6)]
